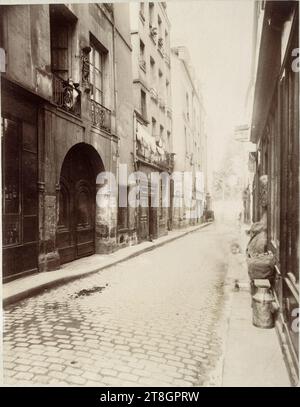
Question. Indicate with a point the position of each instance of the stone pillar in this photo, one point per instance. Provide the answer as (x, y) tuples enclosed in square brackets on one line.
[(47, 190)]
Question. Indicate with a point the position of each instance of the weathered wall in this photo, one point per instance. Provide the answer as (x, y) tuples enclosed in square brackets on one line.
[(26, 32)]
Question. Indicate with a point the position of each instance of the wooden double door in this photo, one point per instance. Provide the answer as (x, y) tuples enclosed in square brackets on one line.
[(77, 197)]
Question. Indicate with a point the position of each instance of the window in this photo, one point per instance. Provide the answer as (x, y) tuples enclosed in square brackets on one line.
[(11, 159), (142, 56), (168, 90), (143, 104), (161, 133), (19, 175), (142, 50), (152, 71), (60, 49), (151, 14), (159, 25), (186, 141), (167, 41), (153, 127), (62, 26), (161, 88), (142, 11), (169, 141), (187, 106), (97, 58)]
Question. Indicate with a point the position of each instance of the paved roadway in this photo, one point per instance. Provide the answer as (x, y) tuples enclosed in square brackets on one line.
[(155, 320)]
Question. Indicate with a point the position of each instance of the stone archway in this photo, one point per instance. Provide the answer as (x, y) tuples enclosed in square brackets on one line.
[(76, 221)]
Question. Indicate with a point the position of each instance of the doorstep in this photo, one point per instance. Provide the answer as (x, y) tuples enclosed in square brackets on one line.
[(34, 284)]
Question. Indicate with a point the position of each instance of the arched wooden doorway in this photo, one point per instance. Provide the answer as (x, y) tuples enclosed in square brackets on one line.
[(77, 203)]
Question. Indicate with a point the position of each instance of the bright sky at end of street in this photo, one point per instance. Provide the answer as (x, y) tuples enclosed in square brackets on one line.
[(218, 34)]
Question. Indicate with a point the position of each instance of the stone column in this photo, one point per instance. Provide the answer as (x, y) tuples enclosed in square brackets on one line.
[(47, 190)]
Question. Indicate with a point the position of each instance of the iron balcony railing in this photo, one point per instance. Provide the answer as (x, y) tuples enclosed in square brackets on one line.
[(100, 116), (66, 95)]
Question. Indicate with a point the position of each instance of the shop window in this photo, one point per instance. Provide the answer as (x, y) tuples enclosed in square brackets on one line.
[(11, 167)]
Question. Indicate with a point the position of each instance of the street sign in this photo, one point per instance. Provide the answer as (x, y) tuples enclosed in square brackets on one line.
[(241, 133)]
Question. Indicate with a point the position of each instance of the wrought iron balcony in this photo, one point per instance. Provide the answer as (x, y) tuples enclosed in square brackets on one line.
[(100, 116), (66, 95)]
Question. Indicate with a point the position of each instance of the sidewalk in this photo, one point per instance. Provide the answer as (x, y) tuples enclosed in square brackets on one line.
[(32, 285), (253, 357)]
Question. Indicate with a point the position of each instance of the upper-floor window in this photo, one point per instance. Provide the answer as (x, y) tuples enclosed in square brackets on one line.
[(161, 133), (143, 104), (159, 26), (153, 127), (142, 56), (142, 11), (166, 41), (152, 71), (151, 14), (167, 89), (168, 141), (187, 106), (62, 25), (60, 58), (97, 59)]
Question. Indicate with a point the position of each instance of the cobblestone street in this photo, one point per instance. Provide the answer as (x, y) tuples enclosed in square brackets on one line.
[(155, 320)]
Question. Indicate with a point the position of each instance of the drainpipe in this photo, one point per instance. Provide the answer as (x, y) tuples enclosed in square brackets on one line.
[(134, 141)]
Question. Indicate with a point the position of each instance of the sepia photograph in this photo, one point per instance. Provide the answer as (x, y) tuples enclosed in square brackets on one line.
[(150, 196)]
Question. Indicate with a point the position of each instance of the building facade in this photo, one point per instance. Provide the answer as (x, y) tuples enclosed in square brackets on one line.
[(67, 115), (150, 36), (189, 141), (275, 130)]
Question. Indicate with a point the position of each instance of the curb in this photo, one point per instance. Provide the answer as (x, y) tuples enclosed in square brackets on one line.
[(31, 292)]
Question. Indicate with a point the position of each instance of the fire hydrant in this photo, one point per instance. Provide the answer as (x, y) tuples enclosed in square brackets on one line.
[(263, 305)]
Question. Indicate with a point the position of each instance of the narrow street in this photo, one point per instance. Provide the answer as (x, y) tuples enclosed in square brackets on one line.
[(156, 320)]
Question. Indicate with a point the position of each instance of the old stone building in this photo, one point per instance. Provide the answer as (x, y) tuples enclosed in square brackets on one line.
[(150, 36), (275, 131), (189, 141), (67, 115)]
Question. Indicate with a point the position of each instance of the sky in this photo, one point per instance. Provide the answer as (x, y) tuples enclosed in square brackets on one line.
[(218, 34)]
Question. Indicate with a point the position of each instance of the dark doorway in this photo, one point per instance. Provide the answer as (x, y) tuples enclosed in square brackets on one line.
[(77, 204)]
